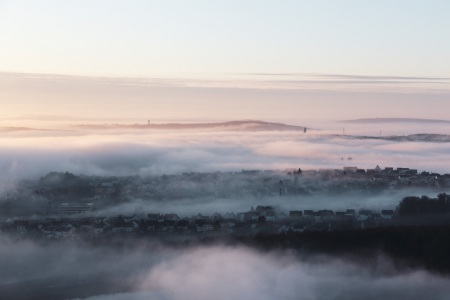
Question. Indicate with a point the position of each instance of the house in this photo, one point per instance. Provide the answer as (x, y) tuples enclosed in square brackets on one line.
[(171, 217), (387, 214), (402, 171), (325, 213), (229, 216), (203, 225), (21, 226), (132, 218), (216, 217), (153, 217), (295, 214), (364, 214), (297, 228), (342, 215), (168, 226), (308, 213), (63, 231), (270, 216), (199, 216), (412, 172), (183, 225), (125, 227), (350, 169), (251, 172), (228, 226), (261, 208), (240, 216), (120, 225), (57, 232), (152, 225), (87, 224), (99, 228), (248, 216), (282, 216)]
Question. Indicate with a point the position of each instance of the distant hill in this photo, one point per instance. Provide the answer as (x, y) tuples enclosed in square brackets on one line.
[(14, 129), (243, 125), (395, 120), (421, 137)]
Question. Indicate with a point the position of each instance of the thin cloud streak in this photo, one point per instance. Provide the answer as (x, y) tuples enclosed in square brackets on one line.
[(247, 80), (220, 99)]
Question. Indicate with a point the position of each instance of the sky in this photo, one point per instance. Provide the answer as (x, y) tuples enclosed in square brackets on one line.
[(206, 38), (195, 60)]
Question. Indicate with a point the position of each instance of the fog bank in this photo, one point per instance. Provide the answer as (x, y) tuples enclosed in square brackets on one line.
[(202, 272), (119, 152), (240, 273)]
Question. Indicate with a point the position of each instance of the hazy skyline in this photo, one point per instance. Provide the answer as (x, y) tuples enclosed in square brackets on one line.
[(28, 99)]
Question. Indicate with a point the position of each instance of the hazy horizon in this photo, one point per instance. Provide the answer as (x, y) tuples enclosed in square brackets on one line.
[(299, 102)]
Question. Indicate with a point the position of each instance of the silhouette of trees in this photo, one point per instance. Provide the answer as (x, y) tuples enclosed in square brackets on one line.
[(414, 206)]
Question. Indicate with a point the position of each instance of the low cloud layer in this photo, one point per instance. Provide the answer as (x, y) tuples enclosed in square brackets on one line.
[(188, 207), (231, 273), (119, 152), (203, 272), (240, 273)]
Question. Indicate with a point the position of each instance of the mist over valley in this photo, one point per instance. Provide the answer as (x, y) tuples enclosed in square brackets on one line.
[(187, 150), (202, 171)]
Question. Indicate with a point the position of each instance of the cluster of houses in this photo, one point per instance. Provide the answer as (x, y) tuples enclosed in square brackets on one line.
[(399, 176), (262, 219), (55, 193), (258, 182)]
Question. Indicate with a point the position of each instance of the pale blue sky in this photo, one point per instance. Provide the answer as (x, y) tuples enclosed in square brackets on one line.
[(192, 39)]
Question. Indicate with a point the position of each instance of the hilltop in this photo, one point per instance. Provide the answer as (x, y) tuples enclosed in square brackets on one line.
[(395, 120), (239, 125), (420, 137), (15, 129)]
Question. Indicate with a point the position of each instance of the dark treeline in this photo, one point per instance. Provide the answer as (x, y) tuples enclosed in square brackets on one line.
[(414, 206), (409, 247)]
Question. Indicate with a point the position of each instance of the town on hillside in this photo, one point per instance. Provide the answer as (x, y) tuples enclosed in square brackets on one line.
[(67, 205), (262, 219), (63, 193)]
